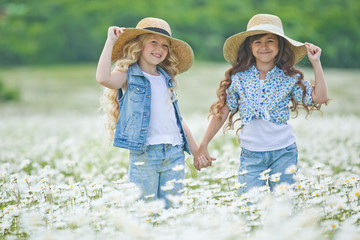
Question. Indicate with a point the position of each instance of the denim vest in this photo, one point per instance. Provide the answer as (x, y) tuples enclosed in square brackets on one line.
[(133, 122)]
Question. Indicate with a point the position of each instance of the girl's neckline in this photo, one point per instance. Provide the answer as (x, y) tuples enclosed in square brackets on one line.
[(157, 75)]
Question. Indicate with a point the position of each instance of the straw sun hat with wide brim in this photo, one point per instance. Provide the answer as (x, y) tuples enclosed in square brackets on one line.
[(260, 24), (158, 26)]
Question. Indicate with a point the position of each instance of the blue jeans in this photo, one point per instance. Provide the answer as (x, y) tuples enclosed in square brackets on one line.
[(257, 162), (152, 169)]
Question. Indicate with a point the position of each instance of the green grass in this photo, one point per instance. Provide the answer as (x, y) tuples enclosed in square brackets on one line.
[(51, 89), (72, 88)]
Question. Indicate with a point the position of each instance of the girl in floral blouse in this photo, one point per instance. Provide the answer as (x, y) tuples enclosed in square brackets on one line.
[(259, 86)]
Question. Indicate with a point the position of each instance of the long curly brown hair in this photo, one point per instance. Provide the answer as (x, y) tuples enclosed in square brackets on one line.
[(132, 51), (285, 60)]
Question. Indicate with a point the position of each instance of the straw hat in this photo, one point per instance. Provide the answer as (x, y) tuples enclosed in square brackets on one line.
[(158, 26), (259, 24)]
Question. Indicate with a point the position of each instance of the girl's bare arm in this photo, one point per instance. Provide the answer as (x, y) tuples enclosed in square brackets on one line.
[(320, 92), (104, 75), (214, 126)]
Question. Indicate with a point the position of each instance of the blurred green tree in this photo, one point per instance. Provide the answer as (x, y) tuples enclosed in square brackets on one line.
[(58, 31)]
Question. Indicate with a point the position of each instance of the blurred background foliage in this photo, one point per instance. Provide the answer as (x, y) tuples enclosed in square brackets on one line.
[(67, 31)]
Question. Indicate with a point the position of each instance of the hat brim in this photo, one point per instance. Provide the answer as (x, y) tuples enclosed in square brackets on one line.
[(233, 43), (181, 49)]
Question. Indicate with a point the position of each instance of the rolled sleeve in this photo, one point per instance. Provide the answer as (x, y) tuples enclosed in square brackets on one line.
[(298, 93), (232, 97)]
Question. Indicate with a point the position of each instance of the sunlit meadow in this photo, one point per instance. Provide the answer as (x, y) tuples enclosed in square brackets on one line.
[(61, 179)]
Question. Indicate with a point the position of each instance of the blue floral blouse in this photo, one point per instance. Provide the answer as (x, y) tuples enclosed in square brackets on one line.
[(270, 103)]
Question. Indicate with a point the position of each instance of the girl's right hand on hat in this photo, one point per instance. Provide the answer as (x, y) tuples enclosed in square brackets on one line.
[(114, 33)]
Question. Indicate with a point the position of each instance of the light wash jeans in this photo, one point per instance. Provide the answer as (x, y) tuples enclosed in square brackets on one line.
[(257, 162), (152, 169)]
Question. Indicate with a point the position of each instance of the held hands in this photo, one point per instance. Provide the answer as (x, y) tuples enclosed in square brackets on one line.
[(313, 52), (202, 159), (114, 33)]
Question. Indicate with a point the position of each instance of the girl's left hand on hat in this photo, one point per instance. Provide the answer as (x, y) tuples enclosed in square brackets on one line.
[(313, 52)]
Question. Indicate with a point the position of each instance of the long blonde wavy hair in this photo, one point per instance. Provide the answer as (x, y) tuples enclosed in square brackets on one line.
[(131, 54), (285, 60)]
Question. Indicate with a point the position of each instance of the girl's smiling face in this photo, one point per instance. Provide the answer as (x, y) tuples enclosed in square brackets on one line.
[(155, 50), (265, 49)]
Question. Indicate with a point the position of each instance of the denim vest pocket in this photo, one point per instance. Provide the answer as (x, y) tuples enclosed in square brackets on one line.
[(136, 92)]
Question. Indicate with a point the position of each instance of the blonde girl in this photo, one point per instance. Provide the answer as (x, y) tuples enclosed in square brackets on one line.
[(141, 104), (259, 87)]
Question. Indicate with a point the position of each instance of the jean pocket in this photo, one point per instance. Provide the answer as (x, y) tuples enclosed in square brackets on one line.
[(181, 147), (246, 153), (291, 148), (137, 153)]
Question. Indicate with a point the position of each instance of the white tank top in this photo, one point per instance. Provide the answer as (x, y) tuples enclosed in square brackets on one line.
[(163, 127), (261, 135)]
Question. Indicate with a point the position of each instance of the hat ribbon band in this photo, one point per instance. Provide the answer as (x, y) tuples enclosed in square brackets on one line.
[(267, 27), (158, 30)]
